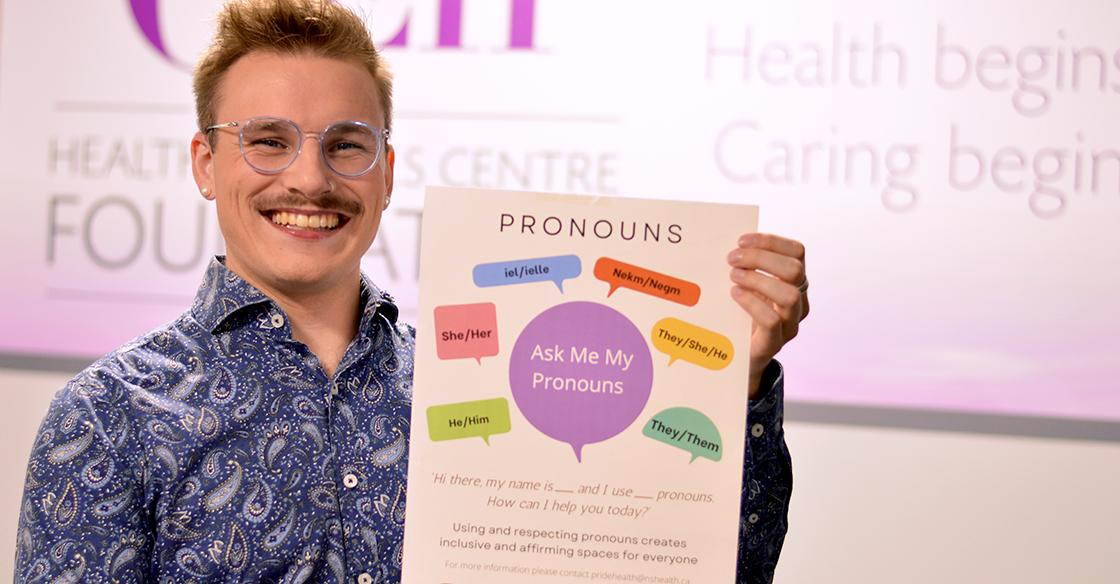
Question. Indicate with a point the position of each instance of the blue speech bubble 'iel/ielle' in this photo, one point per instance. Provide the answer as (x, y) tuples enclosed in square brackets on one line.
[(553, 269)]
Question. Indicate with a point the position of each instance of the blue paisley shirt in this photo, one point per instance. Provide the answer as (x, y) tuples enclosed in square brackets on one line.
[(215, 449)]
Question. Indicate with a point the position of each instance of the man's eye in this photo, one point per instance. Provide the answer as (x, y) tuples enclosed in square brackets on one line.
[(347, 147), (269, 143)]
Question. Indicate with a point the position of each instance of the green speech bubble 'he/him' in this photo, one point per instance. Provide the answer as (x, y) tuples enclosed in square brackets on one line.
[(474, 419), (688, 430)]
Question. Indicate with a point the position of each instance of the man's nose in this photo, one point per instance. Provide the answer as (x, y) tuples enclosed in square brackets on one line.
[(309, 173)]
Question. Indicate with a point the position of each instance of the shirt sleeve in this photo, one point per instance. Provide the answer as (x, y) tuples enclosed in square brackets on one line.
[(767, 484), (82, 518)]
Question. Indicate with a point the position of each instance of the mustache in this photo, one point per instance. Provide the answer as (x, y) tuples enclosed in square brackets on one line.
[(325, 202)]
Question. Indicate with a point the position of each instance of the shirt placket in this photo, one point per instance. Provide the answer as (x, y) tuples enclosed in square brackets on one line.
[(351, 478), (338, 435)]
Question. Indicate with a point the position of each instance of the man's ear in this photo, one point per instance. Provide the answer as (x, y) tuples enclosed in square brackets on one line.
[(390, 160), (202, 165)]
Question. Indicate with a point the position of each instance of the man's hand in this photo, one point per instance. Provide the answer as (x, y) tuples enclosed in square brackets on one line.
[(770, 284)]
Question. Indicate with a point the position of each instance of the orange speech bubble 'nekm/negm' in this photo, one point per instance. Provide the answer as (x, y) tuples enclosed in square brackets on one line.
[(623, 275)]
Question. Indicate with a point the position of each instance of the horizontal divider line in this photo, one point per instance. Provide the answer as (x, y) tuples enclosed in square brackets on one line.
[(941, 420), (124, 108), (117, 296), (112, 107), (508, 117)]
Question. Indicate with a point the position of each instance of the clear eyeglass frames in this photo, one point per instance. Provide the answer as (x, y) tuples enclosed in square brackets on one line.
[(270, 145)]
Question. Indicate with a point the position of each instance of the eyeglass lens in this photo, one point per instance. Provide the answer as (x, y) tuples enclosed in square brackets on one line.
[(271, 145)]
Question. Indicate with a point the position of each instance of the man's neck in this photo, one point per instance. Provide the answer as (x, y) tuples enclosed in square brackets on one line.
[(325, 318), (325, 322)]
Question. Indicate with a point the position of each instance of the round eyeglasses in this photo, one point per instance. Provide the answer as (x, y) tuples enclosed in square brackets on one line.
[(270, 145)]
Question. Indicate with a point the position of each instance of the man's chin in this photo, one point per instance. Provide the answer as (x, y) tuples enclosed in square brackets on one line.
[(306, 278), (295, 278)]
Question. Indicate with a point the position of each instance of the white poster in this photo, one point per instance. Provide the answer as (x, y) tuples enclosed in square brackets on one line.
[(581, 391)]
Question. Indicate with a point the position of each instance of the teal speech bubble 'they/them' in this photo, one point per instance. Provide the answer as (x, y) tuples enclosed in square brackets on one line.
[(688, 430)]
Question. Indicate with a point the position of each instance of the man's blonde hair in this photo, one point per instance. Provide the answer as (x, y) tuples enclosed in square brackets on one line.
[(317, 27)]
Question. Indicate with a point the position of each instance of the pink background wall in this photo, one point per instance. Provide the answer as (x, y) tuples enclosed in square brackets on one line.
[(935, 283)]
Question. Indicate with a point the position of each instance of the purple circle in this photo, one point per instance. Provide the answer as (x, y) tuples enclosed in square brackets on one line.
[(581, 373)]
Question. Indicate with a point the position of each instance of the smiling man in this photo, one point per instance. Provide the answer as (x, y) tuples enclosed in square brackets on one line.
[(298, 208), (263, 435)]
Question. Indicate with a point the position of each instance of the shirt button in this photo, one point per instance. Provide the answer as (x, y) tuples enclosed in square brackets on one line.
[(350, 480), (277, 321), (752, 518), (757, 430), (365, 578)]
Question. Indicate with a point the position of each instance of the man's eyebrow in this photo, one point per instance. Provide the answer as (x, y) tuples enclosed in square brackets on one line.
[(269, 124)]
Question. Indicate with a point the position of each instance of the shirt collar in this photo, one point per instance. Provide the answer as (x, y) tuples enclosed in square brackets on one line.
[(223, 293), (375, 300)]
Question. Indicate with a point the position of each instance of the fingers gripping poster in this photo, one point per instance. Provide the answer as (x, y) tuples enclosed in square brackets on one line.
[(580, 395)]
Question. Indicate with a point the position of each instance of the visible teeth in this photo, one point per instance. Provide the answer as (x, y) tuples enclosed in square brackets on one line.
[(326, 221)]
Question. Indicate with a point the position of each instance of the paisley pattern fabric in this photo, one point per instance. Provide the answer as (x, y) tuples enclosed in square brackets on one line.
[(767, 484), (216, 449)]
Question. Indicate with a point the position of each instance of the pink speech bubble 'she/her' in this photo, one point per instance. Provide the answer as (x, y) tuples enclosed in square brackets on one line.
[(466, 331)]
